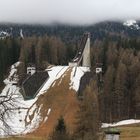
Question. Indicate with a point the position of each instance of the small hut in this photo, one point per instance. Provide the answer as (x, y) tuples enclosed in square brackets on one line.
[(98, 68), (112, 134), (31, 69)]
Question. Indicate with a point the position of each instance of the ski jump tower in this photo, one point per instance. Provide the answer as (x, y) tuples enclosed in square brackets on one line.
[(82, 57)]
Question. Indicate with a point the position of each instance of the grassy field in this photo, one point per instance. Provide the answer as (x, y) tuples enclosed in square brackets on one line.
[(24, 138), (129, 132)]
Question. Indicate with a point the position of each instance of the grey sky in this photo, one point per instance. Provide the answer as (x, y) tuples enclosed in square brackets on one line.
[(68, 11)]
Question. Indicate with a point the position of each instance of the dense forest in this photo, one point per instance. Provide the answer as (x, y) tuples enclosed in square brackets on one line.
[(9, 54), (40, 51), (72, 34), (120, 82)]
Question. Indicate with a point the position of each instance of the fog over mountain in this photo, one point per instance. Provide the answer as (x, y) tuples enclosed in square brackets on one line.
[(68, 11)]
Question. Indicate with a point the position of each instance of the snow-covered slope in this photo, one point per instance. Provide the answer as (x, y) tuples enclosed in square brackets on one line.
[(22, 116), (15, 108), (123, 122), (4, 34), (76, 75), (132, 24)]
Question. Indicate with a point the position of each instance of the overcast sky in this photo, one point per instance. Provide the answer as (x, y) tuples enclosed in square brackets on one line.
[(68, 11)]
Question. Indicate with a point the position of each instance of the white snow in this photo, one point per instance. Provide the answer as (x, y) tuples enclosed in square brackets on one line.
[(19, 119), (12, 74), (54, 73), (31, 111), (123, 122), (75, 59), (46, 118), (21, 34), (4, 34), (24, 109), (34, 122), (49, 111), (16, 117), (16, 121), (76, 75), (61, 79), (53, 84), (131, 23)]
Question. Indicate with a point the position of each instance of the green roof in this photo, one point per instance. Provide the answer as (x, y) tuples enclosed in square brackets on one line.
[(112, 130)]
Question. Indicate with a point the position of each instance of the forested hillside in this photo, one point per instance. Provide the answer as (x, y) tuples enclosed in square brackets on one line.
[(119, 93), (70, 33), (116, 94), (120, 61)]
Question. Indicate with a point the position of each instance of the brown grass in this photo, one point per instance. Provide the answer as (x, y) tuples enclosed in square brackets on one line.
[(130, 132), (24, 138), (62, 101)]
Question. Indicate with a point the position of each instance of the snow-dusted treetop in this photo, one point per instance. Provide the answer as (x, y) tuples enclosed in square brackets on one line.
[(132, 24)]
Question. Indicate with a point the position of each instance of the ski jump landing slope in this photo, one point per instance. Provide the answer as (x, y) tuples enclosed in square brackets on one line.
[(56, 98)]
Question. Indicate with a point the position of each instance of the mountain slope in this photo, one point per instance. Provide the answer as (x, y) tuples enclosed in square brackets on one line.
[(61, 101), (39, 115), (70, 34), (132, 24)]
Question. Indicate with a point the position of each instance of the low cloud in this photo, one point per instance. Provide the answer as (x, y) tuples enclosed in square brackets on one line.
[(68, 11)]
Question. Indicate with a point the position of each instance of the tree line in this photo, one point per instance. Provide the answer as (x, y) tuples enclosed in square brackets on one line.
[(87, 120), (119, 93), (9, 54), (45, 50)]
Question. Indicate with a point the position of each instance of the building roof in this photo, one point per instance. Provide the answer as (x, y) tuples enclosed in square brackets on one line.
[(36, 81), (30, 65), (112, 131)]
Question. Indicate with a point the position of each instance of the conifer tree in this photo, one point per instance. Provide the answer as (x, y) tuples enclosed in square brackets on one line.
[(88, 115), (60, 132)]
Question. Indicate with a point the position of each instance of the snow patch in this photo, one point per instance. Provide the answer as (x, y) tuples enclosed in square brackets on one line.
[(76, 75), (49, 111), (22, 110), (15, 118), (132, 24), (4, 34), (34, 122), (46, 118), (53, 84), (54, 73), (124, 122)]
